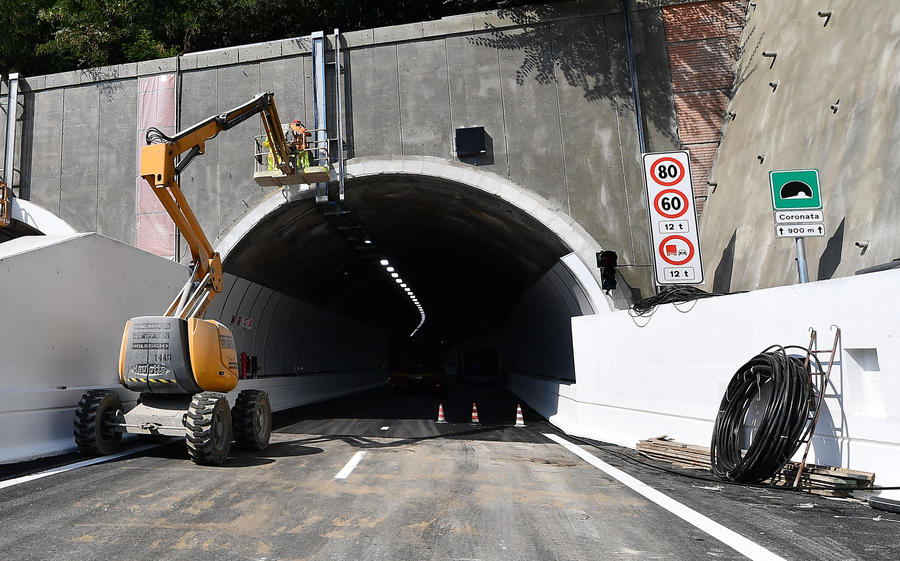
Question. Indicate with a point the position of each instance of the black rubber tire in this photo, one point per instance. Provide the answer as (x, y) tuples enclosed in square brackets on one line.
[(208, 424), (96, 411), (251, 419)]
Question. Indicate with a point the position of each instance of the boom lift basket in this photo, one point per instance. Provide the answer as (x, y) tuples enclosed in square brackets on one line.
[(5, 200), (318, 172)]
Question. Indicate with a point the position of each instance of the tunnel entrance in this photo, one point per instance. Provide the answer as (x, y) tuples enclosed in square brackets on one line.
[(483, 265)]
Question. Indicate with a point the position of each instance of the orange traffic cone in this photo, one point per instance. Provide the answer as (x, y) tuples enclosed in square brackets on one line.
[(475, 420), (441, 418), (520, 420)]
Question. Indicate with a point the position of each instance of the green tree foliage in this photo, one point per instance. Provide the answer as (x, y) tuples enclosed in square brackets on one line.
[(89, 33), (45, 36), (22, 32)]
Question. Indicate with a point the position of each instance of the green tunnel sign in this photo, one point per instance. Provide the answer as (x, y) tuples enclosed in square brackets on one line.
[(796, 189)]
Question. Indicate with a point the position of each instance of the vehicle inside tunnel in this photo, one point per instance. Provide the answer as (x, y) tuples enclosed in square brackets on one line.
[(494, 295)]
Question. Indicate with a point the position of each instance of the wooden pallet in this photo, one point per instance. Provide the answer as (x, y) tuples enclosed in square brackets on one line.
[(828, 480)]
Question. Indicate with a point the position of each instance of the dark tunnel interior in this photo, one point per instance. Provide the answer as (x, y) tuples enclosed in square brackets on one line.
[(467, 256)]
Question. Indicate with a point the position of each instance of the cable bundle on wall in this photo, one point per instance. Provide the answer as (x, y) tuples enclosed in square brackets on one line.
[(784, 424), (670, 295)]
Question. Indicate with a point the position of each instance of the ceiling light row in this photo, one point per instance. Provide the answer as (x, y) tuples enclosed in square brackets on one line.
[(409, 292)]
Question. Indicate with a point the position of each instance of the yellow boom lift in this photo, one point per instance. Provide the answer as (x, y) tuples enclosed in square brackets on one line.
[(181, 364)]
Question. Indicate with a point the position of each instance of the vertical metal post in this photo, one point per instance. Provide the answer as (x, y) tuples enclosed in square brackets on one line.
[(12, 111), (801, 260), (318, 55), (178, 159), (636, 93), (338, 110)]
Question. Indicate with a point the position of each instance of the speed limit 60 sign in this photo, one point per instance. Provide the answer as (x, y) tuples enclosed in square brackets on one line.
[(673, 218)]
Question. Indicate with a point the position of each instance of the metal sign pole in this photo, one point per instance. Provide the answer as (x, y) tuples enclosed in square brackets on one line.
[(11, 114), (801, 260)]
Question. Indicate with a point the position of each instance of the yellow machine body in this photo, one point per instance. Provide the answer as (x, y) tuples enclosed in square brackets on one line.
[(166, 355), (213, 356)]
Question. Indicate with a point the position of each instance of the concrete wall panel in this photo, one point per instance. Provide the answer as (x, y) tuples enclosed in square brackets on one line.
[(44, 147), (80, 157), (232, 306), (237, 190), (376, 110), (218, 304), (107, 282), (551, 88), (475, 96), (243, 311), (638, 260), (200, 181), (425, 98), (262, 319), (588, 111), (270, 343), (531, 113), (80, 340), (285, 77), (117, 160), (537, 337)]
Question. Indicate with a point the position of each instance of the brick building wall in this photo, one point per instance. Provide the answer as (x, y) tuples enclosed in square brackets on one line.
[(702, 40)]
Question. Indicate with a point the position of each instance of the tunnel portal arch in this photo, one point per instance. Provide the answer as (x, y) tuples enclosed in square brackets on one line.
[(565, 228), (492, 263)]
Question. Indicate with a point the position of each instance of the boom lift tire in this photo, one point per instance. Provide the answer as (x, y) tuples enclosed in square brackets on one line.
[(251, 419), (95, 418), (208, 423)]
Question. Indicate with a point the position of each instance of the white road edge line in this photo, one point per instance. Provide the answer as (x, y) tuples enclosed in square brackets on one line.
[(76, 465), (350, 466), (729, 537)]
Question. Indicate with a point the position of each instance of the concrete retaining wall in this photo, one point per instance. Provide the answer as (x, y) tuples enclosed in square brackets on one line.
[(66, 300), (550, 85), (849, 60), (666, 374)]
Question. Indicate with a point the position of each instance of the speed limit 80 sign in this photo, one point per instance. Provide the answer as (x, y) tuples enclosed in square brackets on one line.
[(673, 218)]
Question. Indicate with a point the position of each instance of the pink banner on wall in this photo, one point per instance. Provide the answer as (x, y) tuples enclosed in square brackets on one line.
[(156, 108)]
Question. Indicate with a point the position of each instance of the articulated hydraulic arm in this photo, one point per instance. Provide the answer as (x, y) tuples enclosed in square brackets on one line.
[(159, 168)]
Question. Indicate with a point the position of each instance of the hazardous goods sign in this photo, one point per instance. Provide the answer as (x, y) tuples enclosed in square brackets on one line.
[(673, 218)]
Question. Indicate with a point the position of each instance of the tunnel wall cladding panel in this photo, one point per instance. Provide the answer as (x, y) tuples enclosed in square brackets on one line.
[(117, 162), (80, 336), (538, 332)]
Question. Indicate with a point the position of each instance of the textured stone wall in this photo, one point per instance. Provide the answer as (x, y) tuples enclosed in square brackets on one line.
[(702, 40), (829, 100)]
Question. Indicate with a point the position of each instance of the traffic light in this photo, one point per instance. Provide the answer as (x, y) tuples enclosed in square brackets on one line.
[(607, 261)]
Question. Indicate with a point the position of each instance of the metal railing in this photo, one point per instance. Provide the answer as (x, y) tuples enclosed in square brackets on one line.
[(319, 153)]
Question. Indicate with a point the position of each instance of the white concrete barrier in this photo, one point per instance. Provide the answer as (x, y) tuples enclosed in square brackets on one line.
[(666, 374), (65, 303)]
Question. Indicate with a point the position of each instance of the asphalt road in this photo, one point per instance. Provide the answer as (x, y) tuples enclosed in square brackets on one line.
[(419, 491)]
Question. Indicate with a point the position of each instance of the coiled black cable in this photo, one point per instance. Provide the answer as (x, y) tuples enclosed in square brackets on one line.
[(783, 426)]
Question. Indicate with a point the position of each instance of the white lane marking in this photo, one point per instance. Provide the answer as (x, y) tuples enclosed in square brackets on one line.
[(351, 465), (729, 537), (76, 465)]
